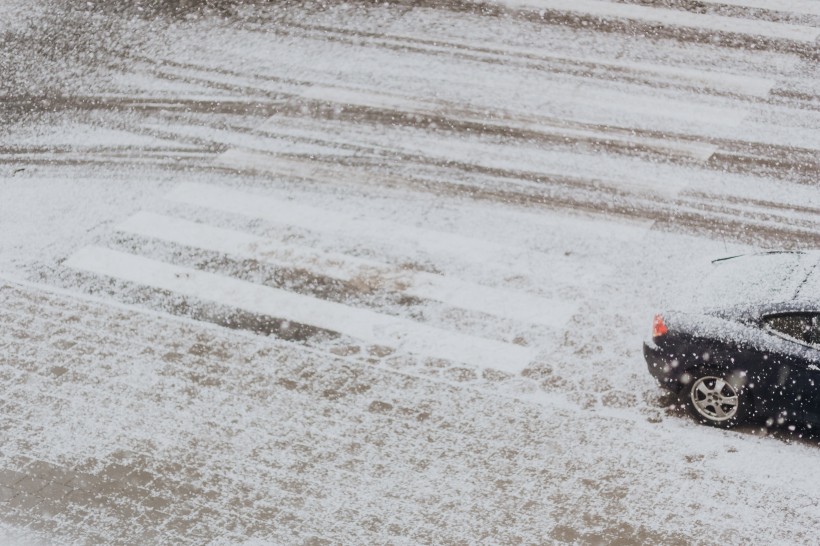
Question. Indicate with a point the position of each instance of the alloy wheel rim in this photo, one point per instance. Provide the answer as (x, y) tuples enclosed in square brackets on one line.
[(714, 398)]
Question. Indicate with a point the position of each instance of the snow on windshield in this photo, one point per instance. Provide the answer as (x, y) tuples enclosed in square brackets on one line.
[(810, 289), (757, 278)]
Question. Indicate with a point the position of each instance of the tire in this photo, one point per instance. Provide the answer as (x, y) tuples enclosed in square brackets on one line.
[(717, 399)]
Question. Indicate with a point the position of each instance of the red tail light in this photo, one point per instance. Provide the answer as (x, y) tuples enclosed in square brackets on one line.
[(658, 327)]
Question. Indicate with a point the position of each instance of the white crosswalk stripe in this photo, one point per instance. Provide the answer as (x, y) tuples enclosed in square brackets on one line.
[(707, 22), (362, 324), (459, 293), (406, 239), (808, 7)]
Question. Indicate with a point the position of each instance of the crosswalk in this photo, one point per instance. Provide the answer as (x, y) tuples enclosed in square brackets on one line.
[(467, 341)]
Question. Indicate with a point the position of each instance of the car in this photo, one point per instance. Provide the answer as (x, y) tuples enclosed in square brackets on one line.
[(745, 346)]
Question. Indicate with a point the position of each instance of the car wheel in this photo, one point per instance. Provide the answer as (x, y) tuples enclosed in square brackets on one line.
[(717, 400)]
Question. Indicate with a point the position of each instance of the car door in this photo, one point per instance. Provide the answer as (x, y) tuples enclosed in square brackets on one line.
[(795, 360)]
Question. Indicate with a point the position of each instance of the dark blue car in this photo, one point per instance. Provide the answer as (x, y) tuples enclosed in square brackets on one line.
[(747, 345)]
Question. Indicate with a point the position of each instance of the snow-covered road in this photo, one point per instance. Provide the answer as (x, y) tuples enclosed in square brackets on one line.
[(357, 273)]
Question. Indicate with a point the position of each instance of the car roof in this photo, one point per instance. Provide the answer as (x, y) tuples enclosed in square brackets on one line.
[(765, 278)]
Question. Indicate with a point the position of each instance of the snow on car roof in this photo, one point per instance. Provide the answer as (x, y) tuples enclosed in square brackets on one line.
[(770, 277)]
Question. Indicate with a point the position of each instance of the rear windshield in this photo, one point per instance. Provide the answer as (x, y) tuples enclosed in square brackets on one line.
[(762, 278)]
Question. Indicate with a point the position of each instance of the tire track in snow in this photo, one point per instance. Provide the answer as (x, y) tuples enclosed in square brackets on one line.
[(653, 75), (650, 21)]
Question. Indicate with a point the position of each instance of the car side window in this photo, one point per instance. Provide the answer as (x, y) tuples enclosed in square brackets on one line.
[(814, 332), (802, 327)]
